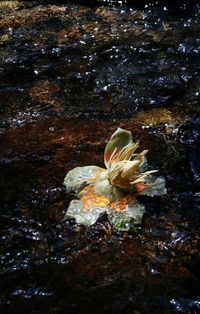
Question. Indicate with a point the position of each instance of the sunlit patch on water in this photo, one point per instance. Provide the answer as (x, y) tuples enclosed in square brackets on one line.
[(32, 292), (79, 56), (185, 305)]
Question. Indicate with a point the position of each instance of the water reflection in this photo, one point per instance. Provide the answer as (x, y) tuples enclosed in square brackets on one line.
[(125, 58), (185, 305), (31, 292)]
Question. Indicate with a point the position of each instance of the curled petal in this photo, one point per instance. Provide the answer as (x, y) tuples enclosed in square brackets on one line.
[(122, 172), (90, 199), (141, 155), (142, 177), (119, 140)]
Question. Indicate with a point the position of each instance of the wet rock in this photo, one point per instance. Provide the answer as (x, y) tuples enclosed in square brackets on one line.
[(59, 60), (189, 133), (47, 93), (9, 6), (77, 45), (194, 159)]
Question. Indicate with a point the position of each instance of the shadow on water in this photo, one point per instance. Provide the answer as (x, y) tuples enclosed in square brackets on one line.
[(70, 75)]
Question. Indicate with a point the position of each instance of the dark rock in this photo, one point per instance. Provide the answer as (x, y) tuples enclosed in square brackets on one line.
[(189, 133)]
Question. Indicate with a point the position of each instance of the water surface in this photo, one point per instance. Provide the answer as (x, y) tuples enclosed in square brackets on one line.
[(70, 75)]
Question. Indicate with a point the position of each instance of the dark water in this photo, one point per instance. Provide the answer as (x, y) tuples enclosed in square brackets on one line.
[(70, 75)]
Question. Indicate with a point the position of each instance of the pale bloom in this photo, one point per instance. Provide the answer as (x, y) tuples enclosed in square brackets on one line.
[(115, 188)]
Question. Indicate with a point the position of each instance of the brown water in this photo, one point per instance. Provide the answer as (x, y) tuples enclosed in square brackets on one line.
[(70, 75)]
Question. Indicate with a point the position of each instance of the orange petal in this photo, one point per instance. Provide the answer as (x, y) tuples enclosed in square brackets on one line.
[(91, 199), (140, 187), (121, 204)]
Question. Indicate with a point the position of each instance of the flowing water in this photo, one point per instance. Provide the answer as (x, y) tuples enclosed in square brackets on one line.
[(70, 74)]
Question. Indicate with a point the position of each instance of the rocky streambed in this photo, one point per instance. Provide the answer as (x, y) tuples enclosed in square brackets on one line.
[(70, 75)]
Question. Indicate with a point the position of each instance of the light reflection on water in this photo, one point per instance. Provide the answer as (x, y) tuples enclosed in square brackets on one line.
[(32, 292), (184, 305), (129, 59)]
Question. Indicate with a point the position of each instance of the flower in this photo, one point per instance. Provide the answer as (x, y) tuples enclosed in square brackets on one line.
[(125, 169), (115, 188)]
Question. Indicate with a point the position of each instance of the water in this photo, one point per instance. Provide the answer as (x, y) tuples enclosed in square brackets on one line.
[(70, 75)]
